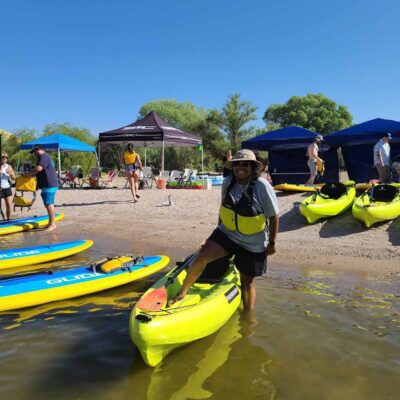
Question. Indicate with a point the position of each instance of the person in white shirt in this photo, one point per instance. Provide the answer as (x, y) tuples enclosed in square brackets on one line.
[(313, 158), (382, 158), (7, 173)]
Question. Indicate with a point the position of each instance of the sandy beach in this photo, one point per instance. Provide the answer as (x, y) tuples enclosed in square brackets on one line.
[(148, 227)]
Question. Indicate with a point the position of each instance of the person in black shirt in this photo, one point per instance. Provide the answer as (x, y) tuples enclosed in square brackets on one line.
[(47, 181)]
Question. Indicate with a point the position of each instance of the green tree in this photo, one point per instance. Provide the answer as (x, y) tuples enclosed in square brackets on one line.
[(85, 160), (313, 111), (236, 114), (201, 122)]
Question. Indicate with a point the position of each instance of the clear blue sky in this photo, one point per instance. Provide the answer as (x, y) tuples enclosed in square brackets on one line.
[(93, 63)]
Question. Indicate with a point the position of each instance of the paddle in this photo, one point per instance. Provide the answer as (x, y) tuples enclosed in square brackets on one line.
[(157, 298)]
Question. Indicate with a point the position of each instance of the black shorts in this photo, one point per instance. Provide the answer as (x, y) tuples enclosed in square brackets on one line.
[(5, 193), (248, 263)]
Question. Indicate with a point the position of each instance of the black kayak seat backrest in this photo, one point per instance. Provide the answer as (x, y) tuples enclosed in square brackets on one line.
[(215, 270), (334, 190), (384, 193)]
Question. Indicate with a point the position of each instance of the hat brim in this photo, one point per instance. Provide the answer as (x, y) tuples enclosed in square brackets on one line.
[(259, 164)]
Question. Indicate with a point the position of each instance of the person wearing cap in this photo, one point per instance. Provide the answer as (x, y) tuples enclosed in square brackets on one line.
[(247, 227), (314, 159), (47, 181), (382, 160), (7, 173), (132, 162)]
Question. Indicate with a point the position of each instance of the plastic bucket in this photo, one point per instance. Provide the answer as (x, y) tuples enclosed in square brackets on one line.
[(161, 183)]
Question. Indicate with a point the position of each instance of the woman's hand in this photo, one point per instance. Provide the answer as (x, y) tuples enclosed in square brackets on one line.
[(270, 249)]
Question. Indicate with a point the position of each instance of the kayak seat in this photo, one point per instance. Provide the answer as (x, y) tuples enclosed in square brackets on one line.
[(383, 193), (215, 270), (333, 190)]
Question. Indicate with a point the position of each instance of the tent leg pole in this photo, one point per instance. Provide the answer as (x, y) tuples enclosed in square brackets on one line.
[(59, 163), (162, 156), (202, 160)]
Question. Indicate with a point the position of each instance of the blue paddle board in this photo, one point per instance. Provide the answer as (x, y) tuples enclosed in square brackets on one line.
[(42, 287), (22, 256)]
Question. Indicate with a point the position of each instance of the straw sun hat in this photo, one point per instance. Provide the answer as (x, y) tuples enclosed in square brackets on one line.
[(244, 155)]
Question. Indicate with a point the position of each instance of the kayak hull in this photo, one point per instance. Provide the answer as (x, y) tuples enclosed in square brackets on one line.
[(203, 311), (314, 207), (44, 287), (39, 254), (26, 224), (372, 212), (291, 187)]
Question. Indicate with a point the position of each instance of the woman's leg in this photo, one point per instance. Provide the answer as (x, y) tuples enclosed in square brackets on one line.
[(248, 291), (136, 179), (132, 185), (209, 252), (8, 201)]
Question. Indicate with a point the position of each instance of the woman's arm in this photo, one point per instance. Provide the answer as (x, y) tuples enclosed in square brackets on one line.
[(11, 172), (273, 233), (139, 162)]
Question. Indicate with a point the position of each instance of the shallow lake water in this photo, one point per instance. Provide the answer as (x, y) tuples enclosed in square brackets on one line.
[(314, 335)]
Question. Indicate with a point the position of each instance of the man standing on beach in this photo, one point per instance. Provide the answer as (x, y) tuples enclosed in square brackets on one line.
[(382, 158), (313, 158), (47, 181)]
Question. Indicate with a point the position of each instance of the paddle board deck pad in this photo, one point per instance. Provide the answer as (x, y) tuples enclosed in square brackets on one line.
[(25, 224), (205, 309), (23, 256), (42, 287)]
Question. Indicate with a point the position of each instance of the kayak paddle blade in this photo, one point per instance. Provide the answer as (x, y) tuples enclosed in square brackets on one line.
[(154, 301)]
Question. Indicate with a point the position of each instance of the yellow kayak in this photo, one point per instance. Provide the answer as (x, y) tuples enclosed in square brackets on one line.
[(380, 203), (332, 199), (292, 187), (206, 308)]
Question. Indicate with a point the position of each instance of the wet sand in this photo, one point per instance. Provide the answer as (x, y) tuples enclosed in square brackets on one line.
[(147, 227)]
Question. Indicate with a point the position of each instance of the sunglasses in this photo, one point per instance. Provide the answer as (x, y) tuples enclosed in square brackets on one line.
[(4, 157), (241, 164)]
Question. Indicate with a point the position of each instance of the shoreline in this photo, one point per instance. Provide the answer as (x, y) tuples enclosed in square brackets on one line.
[(148, 227)]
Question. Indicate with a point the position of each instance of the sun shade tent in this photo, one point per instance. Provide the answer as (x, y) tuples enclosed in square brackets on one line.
[(357, 143), (287, 158), (152, 131), (59, 142)]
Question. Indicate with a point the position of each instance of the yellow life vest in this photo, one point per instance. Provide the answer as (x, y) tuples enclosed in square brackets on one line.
[(242, 216), (129, 158)]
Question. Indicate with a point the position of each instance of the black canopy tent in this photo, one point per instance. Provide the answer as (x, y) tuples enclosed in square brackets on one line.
[(151, 131)]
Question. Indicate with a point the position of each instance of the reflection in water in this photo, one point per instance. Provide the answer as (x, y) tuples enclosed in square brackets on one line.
[(314, 335)]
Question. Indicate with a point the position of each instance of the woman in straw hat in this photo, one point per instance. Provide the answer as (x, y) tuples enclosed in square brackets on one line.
[(247, 227), (7, 173)]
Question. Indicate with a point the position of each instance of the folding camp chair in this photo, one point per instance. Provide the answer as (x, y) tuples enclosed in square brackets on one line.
[(93, 180), (24, 185), (148, 177), (109, 180), (72, 177)]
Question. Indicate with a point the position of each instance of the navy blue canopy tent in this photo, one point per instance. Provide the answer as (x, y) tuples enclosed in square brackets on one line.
[(357, 143), (59, 142), (287, 154)]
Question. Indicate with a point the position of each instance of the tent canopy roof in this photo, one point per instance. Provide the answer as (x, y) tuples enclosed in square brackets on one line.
[(290, 137), (150, 131), (365, 133), (61, 142)]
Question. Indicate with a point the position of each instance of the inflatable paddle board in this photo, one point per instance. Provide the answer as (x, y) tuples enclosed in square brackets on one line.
[(25, 224), (31, 289), (22, 256)]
